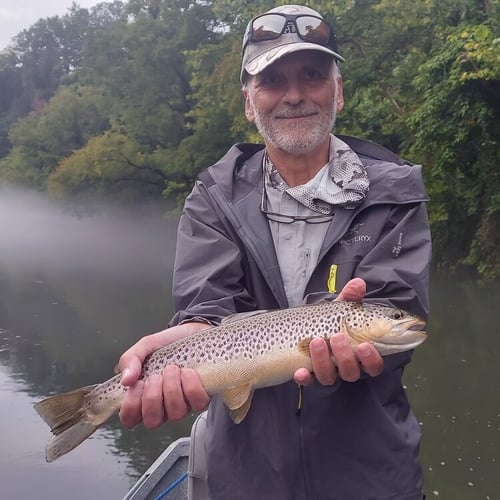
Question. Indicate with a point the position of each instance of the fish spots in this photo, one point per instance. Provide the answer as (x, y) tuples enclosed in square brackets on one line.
[(259, 334)]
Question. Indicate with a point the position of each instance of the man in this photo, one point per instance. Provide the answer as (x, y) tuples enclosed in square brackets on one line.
[(294, 222)]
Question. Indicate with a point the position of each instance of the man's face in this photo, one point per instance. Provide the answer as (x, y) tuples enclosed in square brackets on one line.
[(294, 101)]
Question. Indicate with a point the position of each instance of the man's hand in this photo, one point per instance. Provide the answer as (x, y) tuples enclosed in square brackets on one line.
[(169, 396), (349, 362)]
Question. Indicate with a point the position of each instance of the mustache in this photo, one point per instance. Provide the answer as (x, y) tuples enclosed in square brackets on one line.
[(292, 112)]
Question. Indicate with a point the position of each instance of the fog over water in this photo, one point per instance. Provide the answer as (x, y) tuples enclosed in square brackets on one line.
[(36, 230)]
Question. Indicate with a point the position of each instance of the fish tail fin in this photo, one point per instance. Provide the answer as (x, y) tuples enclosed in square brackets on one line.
[(69, 419), (68, 440)]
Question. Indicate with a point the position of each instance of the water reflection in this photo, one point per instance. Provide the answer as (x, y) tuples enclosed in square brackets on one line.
[(452, 386), (93, 473), (76, 292)]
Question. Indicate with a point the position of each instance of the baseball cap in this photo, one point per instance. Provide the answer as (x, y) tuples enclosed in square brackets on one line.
[(281, 31)]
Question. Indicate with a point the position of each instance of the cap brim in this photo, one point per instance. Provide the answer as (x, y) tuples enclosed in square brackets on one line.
[(261, 62)]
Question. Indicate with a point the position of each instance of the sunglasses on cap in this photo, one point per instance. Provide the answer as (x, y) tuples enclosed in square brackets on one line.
[(308, 28)]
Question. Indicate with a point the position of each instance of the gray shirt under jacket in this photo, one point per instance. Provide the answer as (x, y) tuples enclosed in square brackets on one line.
[(350, 441)]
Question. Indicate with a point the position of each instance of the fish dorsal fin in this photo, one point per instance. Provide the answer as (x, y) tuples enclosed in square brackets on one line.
[(243, 315), (303, 346), (238, 399)]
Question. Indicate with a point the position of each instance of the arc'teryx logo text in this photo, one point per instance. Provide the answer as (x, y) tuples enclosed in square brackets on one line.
[(353, 236)]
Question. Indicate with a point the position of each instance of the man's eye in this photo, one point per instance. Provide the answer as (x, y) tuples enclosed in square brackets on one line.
[(314, 75), (270, 79)]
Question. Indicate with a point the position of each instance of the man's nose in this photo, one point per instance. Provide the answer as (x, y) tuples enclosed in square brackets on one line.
[(294, 93)]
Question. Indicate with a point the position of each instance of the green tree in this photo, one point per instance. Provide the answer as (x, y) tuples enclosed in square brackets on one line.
[(142, 67), (41, 140), (457, 136), (43, 57), (110, 164)]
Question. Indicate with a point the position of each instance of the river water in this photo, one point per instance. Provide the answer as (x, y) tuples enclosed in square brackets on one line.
[(76, 292)]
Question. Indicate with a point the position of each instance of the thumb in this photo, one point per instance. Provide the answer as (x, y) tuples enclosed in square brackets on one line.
[(130, 364), (130, 368), (354, 290)]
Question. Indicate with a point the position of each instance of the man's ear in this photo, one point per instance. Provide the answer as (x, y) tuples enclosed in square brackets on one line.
[(339, 94), (248, 107)]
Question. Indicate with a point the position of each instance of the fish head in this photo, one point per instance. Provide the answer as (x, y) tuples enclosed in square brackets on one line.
[(389, 329)]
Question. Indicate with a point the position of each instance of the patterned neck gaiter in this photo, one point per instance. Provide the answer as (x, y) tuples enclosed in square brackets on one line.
[(343, 181)]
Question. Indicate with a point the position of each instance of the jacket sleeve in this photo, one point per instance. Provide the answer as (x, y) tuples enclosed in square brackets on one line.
[(208, 279), (396, 269)]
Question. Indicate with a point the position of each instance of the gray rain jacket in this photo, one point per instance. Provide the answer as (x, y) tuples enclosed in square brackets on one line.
[(350, 441)]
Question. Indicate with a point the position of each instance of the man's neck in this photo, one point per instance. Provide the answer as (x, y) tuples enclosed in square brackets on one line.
[(299, 169)]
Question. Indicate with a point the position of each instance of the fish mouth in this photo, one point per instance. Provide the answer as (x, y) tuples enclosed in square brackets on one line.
[(416, 325), (408, 332), (406, 337)]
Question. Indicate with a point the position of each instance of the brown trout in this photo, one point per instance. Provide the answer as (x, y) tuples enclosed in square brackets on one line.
[(246, 352)]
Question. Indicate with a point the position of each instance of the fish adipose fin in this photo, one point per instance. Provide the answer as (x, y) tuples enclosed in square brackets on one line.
[(238, 400), (68, 421)]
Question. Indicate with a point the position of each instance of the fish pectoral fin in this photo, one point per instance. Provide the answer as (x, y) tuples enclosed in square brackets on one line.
[(238, 399), (240, 413), (303, 346)]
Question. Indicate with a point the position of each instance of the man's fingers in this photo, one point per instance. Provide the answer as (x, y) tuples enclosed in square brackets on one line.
[(153, 413), (347, 362), (303, 377), (194, 392), (323, 367), (173, 397), (131, 407), (370, 359)]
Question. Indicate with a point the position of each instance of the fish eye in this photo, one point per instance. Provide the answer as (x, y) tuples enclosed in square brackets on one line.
[(398, 314)]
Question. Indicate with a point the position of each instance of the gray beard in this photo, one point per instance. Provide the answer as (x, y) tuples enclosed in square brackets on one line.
[(298, 139)]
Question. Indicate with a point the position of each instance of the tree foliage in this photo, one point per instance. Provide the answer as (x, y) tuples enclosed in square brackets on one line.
[(457, 137), (130, 100)]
